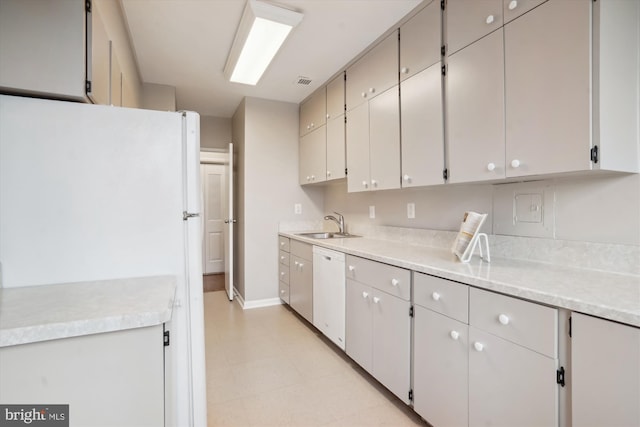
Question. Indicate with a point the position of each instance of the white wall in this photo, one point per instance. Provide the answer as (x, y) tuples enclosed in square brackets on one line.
[(159, 97), (215, 132), (268, 175), (596, 208)]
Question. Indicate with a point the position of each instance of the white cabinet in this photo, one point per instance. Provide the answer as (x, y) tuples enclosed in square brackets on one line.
[(123, 370), (284, 262), (605, 372), (373, 143), (329, 294), (313, 112), (378, 325), (301, 279), (440, 350), (514, 8), (374, 73), (470, 20), (421, 99), (475, 111), (513, 358), (336, 148), (312, 165)]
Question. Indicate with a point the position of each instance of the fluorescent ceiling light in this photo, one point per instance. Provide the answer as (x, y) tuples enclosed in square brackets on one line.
[(262, 30)]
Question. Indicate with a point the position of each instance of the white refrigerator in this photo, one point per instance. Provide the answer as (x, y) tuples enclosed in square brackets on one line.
[(91, 192)]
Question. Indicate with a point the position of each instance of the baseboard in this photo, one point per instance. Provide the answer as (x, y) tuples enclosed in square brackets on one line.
[(247, 305)]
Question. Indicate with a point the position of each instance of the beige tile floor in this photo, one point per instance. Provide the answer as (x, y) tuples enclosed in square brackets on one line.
[(266, 367)]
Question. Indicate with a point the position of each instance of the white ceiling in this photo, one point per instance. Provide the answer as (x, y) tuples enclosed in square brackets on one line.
[(185, 43)]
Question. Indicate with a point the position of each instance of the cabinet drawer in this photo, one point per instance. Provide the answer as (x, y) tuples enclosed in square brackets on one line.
[(284, 257), (283, 243), (393, 280), (284, 292), (442, 296), (302, 250), (531, 325), (283, 273)]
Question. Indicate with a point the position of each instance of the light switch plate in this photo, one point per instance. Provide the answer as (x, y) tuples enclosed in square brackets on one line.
[(372, 212), (411, 210)]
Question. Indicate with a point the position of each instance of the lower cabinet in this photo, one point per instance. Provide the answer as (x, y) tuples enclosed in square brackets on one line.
[(605, 372), (378, 325), (301, 279)]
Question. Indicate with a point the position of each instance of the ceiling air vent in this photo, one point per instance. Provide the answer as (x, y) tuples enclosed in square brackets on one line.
[(306, 81)]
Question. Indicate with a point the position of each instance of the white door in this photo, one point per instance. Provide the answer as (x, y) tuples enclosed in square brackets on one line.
[(229, 221), (213, 188)]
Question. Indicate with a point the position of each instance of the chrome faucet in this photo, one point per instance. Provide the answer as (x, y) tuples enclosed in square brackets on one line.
[(339, 221)]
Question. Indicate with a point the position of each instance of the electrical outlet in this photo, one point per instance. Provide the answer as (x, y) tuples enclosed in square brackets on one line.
[(411, 210), (297, 209), (372, 212)]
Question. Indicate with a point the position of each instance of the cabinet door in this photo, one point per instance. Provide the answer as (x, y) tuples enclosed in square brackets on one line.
[(312, 161), (374, 73), (548, 88), (301, 287), (313, 112), (420, 41), (391, 343), (475, 111), (336, 162), (335, 97), (384, 140), (514, 8), (358, 323), (440, 369), (422, 128), (605, 366), (470, 20), (358, 149), (510, 385)]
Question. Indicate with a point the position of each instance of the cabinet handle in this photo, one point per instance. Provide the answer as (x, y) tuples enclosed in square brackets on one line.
[(454, 335), (515, 163), (376, 300), (406, 177), (435, 296), (394, 282), (351, 268), (504, 319), (478, 346), (365, 294), (372, 90), (364, 94), (513, 4), (404, 70), (491, 167), (490, 19)]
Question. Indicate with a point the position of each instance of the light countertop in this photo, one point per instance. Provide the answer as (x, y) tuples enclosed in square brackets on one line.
[(603, 294), (47, 312)]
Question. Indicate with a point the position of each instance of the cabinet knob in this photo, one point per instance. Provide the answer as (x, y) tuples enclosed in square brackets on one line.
[(435, 296), (308, 127), (372, 90), (404, 70), (282, 258), (364, 94), (454, 335), (312, 125), (328, 173), (308, 178), (490, 19), (374, 182), (376, 300), (515, 163), (365, 294), (504, 319), (313, 177), (282, 291), (491, 167), (406, 177), (281, 243), (513, 4), (296, 263), (365, 184), (478, 346), (351, 268), (282, 273), (394, 282), (328, 116)]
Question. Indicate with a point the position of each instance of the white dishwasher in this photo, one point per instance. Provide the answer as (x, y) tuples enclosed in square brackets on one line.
[(329, 294)]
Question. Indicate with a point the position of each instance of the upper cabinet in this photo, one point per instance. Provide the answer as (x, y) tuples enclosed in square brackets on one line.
[(420, 41), (470, 20), (313, 112), (514, 8), (374, 73), (59, 50), (336, 148)]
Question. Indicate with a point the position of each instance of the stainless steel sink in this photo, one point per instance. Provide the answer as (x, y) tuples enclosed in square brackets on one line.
[(326, 235)]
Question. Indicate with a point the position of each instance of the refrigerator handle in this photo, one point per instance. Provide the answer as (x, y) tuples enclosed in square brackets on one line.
[(186, 215)]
